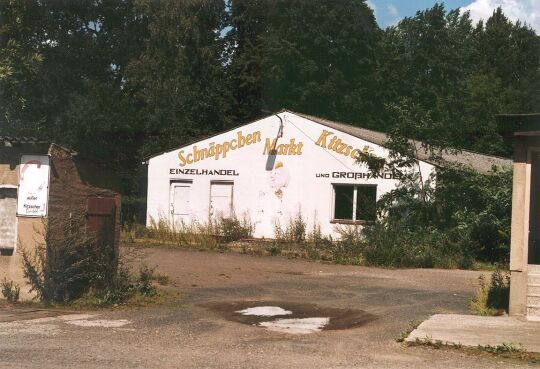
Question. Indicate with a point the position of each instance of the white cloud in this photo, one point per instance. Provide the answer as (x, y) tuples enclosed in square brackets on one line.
[(393, 15), (371, 5), (527, 11), (392, 9)]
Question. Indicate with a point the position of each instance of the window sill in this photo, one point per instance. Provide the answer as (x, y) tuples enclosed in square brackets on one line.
[(351, 222)]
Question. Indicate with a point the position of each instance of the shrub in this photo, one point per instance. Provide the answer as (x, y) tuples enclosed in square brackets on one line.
[(392, 243), (10, 291), (349, 249), (492, 299), (233, 229), (70, 265), (69, 262), (273, 249)]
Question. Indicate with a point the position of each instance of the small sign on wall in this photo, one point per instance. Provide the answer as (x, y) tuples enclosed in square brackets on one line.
[(33, 186)]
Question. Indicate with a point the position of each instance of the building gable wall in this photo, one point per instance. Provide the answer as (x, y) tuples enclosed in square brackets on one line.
[(269, 189)]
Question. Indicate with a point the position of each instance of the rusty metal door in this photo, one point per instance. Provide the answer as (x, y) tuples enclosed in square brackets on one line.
[(101, 219)]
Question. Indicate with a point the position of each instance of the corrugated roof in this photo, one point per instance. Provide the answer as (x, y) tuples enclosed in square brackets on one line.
[(480, 162), (9, 140)]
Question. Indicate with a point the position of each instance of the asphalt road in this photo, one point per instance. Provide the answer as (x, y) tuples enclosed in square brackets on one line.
[(198, 327)]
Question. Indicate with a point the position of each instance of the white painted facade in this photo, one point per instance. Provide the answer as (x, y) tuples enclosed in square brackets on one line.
[(268, 189)]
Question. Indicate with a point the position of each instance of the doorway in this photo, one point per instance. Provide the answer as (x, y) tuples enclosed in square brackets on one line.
[(221, 197), (180, 194), (534, 216)]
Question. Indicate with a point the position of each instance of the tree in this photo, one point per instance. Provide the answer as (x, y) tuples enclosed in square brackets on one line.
[(291, 54), (20, 62), (178, 80)]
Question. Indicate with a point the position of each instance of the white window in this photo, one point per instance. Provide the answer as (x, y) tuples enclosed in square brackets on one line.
[(354, 203), (221, 199)]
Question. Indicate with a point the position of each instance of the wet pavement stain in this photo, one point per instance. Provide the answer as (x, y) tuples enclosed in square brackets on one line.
[(338, 318)]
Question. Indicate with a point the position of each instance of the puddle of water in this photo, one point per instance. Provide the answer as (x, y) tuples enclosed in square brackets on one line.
[(296, 326), (301, 318), (265, 311), (99, 323)]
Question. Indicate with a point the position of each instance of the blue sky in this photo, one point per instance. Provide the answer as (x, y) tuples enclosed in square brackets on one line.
[(389, 12)]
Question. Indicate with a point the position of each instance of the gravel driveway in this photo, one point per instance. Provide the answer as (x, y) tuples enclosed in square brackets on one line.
[(198, 327)]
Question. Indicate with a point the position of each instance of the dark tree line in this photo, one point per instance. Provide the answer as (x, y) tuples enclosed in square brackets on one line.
[(121, 79)]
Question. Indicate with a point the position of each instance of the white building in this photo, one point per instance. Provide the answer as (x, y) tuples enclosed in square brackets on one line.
[(273, 169)]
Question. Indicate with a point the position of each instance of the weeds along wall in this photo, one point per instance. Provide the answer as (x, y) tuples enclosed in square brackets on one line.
[(270, 170)]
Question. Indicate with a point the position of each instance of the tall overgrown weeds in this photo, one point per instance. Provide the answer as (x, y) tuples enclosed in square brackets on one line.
[(294, 231), (10, 290), (492, 298), (206, 235), (70, 264)]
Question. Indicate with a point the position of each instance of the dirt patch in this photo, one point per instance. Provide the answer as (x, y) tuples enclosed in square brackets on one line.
[(338, 318)]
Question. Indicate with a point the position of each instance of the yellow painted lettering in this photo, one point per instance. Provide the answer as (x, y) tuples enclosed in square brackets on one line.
[(181, 158), (299, 148), (219, 150), (226, 147), (269, 146), (322, 139), (241, 140)]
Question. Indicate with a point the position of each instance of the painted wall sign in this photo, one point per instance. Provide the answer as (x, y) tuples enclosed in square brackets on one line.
[(205, 172), (330, 141), (33, 195), (218, 151), (291, 148), (359, 175)]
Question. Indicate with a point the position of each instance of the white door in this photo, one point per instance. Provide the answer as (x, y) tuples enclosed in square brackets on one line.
[(221, 194), (8, 217), (180, 208)]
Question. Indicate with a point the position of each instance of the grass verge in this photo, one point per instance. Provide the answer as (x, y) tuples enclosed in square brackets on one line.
[(506, 350)]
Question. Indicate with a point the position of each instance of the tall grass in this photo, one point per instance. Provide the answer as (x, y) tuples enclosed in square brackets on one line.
[(492, 298), (207, 235)]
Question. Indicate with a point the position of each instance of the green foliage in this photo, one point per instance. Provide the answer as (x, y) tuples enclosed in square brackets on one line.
[(466, 217), (10, 290), (279, 60), (121, 79), (205, 235), (449, 219), (70, 266), (295, 229), (68, 262), (492, 298), (234, 229), (273, 249), (504, 348), (124, 287)]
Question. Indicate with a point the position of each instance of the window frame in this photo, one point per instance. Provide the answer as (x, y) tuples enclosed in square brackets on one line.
[(355, 221)]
